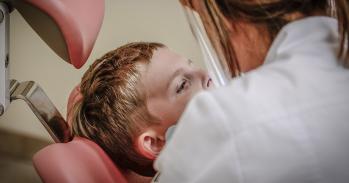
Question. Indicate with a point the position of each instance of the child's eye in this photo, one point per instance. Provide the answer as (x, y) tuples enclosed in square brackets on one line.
[(183, 85)]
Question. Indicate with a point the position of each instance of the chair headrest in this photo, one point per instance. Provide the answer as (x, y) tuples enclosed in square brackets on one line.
[(80, 160), (69, 27), (74, 97)]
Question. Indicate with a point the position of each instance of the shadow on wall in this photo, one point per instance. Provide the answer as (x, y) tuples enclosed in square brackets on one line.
[(16, 152)]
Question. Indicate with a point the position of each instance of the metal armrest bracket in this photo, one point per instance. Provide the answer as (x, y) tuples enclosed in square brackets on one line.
[(42, 107)]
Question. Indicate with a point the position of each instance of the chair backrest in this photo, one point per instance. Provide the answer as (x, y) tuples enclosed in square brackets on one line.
[(69, 27), (80, 160)]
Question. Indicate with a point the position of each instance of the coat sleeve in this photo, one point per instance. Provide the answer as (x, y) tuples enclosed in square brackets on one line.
[(218, 140), (200, 149)]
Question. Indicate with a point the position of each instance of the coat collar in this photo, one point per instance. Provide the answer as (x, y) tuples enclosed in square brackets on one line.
[(305, 33)]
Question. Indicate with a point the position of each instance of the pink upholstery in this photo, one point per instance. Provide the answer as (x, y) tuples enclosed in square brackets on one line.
[(78, 20), (80, 160), (74, 97), (77, 161)]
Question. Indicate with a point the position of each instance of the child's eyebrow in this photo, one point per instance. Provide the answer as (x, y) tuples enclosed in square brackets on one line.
[(177, 72)]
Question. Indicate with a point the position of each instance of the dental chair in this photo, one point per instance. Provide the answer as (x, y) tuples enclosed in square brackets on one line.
[(70, 28), (79, 160)]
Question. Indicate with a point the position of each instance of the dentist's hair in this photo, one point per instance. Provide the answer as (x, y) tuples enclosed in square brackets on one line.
[(112, 111), (270, 15), (274, 13)]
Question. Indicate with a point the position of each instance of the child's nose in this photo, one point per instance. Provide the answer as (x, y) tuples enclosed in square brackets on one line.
[(206, 81)]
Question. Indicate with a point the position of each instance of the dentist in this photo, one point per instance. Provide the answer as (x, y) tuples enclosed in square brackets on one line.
[(286, 120)]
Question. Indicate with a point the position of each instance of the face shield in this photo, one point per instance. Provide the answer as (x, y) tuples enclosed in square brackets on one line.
[(208, 26)]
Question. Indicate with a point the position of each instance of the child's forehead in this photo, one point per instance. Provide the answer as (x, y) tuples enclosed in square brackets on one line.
[(165, 55), (158, 73), (163, 61)]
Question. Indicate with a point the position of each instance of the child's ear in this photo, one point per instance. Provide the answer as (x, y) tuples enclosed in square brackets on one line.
[(150, 143)]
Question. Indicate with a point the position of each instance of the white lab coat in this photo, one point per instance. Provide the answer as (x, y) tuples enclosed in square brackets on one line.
[(285, 122)]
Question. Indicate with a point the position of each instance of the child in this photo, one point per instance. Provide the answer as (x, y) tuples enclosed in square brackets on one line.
[(130, 97)]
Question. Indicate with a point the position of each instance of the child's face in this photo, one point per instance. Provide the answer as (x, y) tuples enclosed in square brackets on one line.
[(170, 81)]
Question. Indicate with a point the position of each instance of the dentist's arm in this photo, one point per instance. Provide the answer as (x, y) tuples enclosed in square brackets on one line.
[(200, 142)]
